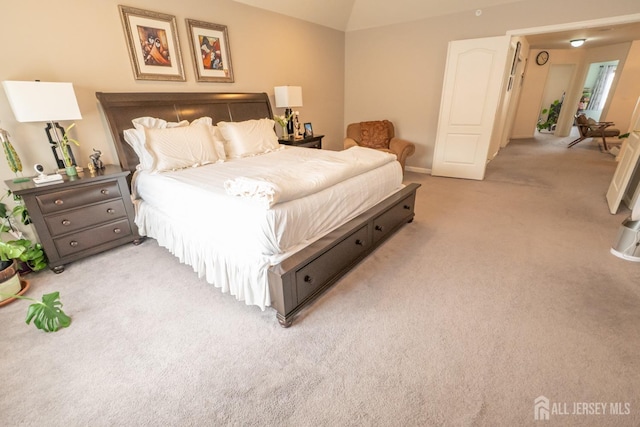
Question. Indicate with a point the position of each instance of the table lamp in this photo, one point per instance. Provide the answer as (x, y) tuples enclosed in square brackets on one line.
[(36, 101), (288, 97)]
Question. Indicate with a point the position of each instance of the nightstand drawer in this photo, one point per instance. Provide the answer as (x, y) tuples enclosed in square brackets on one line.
[(67, 199), (84, 217), (86, 239)]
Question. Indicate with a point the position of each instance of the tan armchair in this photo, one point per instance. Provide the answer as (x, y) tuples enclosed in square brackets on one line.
[(381, 136)]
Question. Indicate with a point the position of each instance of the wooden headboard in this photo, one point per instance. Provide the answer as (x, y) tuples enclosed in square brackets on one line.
[(120, 108)]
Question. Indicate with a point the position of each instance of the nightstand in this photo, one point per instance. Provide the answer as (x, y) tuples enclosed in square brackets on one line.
[(309, 142), (80, 216)]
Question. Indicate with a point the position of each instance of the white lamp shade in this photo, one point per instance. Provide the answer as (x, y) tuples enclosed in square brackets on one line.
[(42, 101), (288, 96)]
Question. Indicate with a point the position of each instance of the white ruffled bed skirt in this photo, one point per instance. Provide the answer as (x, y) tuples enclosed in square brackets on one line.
[(243, 275)]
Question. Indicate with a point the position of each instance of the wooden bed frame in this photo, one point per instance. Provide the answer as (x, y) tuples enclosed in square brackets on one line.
[(301, 278)]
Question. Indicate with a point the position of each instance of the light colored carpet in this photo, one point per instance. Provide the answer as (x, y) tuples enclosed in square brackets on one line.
[(500, 291)]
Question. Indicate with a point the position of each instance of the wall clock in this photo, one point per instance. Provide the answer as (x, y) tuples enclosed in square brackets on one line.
[(542, 57)]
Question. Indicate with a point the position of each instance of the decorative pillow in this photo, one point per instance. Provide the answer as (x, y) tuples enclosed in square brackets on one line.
[(218, 139), (180, 147), (375, 134), (135, 138), (154, 123), (249, 138)]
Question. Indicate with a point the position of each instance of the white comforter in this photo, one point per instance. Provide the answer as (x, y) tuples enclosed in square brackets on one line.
[(302, 178), (232, 241)]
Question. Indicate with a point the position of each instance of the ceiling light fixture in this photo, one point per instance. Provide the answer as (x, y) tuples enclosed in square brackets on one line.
[(577, 42)]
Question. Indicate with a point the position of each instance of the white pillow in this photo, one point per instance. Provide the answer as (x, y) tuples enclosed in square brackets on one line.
[(218, 139), (154, 123), (249, 138), (135, 138), (180, 147)]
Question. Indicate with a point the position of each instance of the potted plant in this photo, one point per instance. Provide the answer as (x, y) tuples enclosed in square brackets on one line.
[(69, 167), (29, 255)]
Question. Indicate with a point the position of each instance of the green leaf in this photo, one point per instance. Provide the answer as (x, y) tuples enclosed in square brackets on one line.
[(48, 315)]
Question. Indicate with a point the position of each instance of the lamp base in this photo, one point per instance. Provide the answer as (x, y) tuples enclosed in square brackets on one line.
[(288, 112)]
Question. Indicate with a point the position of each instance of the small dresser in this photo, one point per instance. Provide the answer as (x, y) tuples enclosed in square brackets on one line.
[(80, 216)]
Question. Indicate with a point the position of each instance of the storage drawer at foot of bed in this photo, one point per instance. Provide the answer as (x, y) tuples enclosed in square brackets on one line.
[(388, 221), (83, 240), (321, 270)]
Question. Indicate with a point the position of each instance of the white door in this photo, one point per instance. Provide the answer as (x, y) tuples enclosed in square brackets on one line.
[(627, 161), (472, 87), (623, 172)]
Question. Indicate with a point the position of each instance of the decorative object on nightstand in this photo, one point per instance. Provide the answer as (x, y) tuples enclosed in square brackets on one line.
[(47, 102), (308, 130), (15, 164), (298, 132), (283, 121), (95, 160), (288, 97), (81, 216)]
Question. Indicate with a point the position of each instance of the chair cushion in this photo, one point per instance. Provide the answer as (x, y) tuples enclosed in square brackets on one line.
[(374, 134)]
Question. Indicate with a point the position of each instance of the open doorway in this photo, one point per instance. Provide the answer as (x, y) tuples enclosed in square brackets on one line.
[(597, 85)]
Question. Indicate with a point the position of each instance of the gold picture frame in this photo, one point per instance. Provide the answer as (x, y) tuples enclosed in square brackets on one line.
[(152, 41), (211, 52)]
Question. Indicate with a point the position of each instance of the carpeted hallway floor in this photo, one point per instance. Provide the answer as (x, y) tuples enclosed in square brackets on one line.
[(499, 292)]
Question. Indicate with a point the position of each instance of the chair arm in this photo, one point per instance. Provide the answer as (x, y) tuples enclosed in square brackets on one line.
[(401, 147), (350, 142)]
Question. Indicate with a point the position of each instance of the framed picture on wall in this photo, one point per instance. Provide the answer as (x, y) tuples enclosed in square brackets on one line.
[(153, 45), (211, 53), (308, 130)]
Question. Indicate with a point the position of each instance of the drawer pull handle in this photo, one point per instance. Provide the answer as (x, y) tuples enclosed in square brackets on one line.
[(104, 191), (407, 207), (59, 202), (117, 230), (379, 228), (73, 243), (308, 279), (110, 210), (66, 222), (359, 242)]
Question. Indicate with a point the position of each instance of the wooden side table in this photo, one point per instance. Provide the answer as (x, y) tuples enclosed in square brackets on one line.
[(308, 142), (80, 216)]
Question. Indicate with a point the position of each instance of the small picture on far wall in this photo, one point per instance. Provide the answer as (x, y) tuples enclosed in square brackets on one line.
[(308, 130)]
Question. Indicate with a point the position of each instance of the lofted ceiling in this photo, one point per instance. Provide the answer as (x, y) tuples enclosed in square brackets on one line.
[(352, 15), (349, 15)]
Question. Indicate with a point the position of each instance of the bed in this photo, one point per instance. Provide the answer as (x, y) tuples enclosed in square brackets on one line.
[(281, 250)]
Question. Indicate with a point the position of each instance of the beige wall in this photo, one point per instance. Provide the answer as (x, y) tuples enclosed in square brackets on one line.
[(396, 72), (627, 90), (83, 42)]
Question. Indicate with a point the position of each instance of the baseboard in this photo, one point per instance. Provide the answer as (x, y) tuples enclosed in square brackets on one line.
[(418, 170)]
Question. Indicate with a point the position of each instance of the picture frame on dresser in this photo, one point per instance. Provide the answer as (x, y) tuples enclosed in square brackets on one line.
[(211, 52), (152, 42)]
